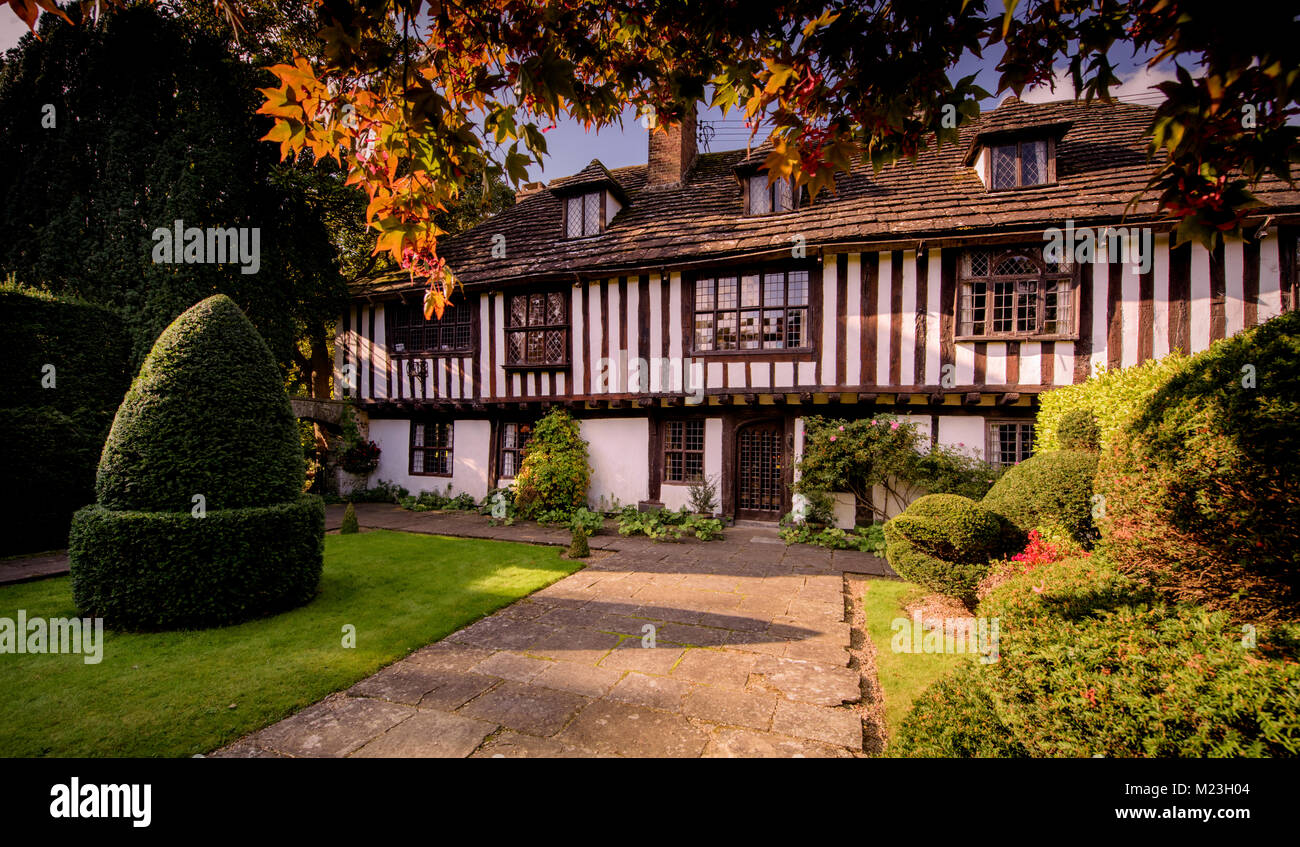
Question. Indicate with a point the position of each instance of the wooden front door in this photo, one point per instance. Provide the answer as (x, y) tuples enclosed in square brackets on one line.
[(760, 470)]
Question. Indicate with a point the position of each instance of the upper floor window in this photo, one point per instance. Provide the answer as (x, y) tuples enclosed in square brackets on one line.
[(537, 329), (1010, 442), (1013, 294), (1018, 164), (408, 332), (766, 198), (584, 214), (753, 311), (430, 449)]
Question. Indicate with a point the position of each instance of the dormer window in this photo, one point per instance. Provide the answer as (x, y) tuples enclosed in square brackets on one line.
[(1019, 164), (764, 198), (584, 214)]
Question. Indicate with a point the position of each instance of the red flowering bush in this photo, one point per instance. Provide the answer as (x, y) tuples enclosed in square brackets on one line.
[(361, 458)]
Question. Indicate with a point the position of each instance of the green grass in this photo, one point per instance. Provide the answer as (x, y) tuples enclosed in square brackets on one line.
[(903, 676), (171, 694)]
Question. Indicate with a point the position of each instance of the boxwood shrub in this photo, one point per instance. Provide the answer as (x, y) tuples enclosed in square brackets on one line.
[(1089, 665), (171, 570), (945, 542), (199, 521), (1202, 489), (208, 414), (1051, 488)]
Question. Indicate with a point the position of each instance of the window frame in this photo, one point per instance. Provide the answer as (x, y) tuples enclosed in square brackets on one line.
[(425, 449), (796, 195), (517, 451), (666, 450), (805, 352), (510, 329), (602, 204), (993, 446), (1043, 278), (1049, 178), (470, 320)]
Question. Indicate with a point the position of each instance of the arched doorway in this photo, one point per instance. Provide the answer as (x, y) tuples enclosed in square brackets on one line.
[(760, 470)]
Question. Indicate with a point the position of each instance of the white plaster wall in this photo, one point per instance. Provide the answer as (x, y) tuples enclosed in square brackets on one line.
[(963, 431), (675, 496), (470, 442), (472, 447), (618, 449)]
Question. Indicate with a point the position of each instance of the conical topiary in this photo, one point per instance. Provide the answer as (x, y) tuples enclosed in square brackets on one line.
[(349, 526), (207, 414), (578, 546), (200, 518)]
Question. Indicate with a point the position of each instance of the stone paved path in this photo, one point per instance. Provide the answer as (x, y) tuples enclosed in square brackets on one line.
[(749, 659), (38, 566)]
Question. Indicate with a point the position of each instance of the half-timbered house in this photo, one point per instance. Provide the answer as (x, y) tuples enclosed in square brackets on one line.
[(691, 314)]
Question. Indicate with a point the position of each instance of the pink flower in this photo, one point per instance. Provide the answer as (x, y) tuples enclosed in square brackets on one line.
[(873, 421), (894, 425), (841, 429), (832, 438)]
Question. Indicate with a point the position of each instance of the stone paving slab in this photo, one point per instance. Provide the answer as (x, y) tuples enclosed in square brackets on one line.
[(37, 566), (749, 660)]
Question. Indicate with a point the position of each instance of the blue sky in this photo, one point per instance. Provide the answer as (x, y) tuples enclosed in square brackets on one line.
[(571, 146)]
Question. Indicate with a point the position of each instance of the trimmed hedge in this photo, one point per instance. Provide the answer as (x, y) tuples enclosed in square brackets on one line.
[(945, 542), (1112, 397), (169, 570), (208, 415), (1048, 489), (1202, 489), (1078, 430), (1087, 665), (50, 438)]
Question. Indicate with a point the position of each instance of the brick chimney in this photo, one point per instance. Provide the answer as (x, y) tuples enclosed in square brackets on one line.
[(672, 153)]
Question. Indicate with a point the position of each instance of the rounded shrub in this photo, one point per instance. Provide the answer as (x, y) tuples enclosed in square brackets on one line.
[(1078, 430), (1202, 489), (1051, 488), (194, 526), (945, 542), (207, 414), (1088, 665), (554, 475)]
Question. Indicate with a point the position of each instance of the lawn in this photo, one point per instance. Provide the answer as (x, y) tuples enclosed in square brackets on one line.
[(902, 676), (181, 693)]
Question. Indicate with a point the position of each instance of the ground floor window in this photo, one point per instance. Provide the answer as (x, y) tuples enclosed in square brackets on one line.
[(430, 449), (1010, 442), (684, 451), (514, 440)]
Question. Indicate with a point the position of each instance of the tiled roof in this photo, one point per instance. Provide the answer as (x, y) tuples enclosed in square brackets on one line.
[(1102, 163)]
